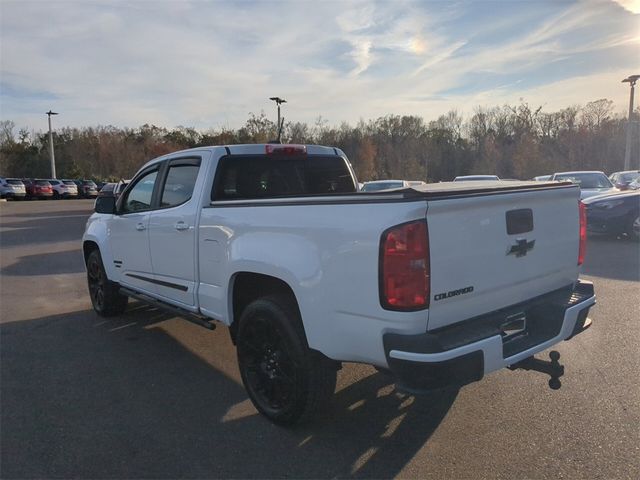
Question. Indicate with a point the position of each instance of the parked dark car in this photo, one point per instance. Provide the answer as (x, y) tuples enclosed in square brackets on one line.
[(37, 188), (621, 180), (113, 189), (616, 214), (87, 188)]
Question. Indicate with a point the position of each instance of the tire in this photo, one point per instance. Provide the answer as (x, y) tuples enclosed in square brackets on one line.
[(633, 230), (105, 295), (56, 195), (286, 381)]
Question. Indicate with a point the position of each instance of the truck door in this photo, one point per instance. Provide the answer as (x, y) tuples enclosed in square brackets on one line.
[(172, 232), (129, 235)]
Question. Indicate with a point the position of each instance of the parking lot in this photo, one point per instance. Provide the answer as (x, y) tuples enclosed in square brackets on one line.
[(147, 395)]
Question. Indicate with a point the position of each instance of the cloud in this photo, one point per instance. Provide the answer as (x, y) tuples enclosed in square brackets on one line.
[(207, 64), (631, 5)]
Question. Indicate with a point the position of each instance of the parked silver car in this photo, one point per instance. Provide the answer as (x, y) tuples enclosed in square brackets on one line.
[(475, 178), (63, 188), (591, 182), (12, 188), (378, 185)]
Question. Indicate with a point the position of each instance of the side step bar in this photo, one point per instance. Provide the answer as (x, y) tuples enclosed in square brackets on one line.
[(182, 313)]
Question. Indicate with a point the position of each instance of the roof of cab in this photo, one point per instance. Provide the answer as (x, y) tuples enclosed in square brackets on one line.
[(246, 149)]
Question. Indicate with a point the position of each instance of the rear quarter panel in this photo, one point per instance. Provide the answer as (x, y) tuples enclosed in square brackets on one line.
[(327, 254)]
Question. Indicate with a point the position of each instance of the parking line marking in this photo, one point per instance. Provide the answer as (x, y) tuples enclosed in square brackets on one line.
[(98, 324), (123, 326)]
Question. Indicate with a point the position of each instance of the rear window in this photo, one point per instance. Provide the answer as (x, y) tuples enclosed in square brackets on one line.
[(629, 177), (90, 183), (43, 183), (68, 182), (375, 187), (14, 181), (586, 180), (259, 176)]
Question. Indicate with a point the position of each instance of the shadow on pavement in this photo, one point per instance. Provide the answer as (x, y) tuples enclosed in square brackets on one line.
[(57, 213), (82, 397), (69, 261), (611, 257), (43, 230)]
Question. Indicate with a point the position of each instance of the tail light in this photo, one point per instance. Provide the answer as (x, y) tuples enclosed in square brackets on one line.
[(277, 149), (404, 267), (583, 233)]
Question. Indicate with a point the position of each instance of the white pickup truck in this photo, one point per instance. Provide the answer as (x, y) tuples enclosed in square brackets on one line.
[(438, 284)]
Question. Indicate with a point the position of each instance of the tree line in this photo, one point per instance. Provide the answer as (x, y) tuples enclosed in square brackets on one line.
[(518, 141)]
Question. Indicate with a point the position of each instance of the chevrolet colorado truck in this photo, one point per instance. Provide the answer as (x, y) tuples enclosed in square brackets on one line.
[(438, 284)]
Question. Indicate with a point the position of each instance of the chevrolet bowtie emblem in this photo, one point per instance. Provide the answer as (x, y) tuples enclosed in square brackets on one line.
[(521, 247)]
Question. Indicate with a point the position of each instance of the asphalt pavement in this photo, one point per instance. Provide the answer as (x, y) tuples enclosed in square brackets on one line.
[(147, 395)]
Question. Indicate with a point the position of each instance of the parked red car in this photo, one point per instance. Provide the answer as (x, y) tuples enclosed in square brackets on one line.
[(37, 188)]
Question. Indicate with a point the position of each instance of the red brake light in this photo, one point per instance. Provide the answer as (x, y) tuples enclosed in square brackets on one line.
[(277, 149), (583, 233), (404, 267)]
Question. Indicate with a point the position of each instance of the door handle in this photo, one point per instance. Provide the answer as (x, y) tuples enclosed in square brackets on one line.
[(140, 227), (181, 226)]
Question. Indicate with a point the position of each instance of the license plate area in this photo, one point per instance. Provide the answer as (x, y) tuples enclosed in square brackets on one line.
[(514, 325), (519, 221)]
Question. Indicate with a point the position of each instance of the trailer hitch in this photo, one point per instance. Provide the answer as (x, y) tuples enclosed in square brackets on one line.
[(551, 368)]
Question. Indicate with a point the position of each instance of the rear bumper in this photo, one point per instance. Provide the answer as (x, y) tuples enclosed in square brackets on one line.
[(466, 351), (13, 194)]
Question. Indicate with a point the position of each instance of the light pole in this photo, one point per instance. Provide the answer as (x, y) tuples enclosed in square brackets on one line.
[(278, 101), (631, 80), (53, 159)]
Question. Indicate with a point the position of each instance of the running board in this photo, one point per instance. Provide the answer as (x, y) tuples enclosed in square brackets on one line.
[(181, 312)]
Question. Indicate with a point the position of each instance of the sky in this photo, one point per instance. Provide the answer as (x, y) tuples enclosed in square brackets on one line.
[(207, 64)]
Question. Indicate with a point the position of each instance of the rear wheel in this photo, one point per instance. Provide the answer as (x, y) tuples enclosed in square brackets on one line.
[(106, 299), (286, 380)]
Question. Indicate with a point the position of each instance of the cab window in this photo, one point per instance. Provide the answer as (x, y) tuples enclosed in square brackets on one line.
[(178, 186), (139, 197)]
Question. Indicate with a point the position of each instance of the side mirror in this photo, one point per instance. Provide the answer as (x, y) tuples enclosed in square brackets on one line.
[(106, 204)]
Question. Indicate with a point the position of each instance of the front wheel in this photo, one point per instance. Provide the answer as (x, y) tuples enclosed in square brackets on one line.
[(633, 231), (286, 380), (106, 299)]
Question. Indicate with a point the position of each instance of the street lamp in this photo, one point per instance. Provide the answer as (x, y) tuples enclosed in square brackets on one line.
[(53, 160), (279, 101), (631, 80)]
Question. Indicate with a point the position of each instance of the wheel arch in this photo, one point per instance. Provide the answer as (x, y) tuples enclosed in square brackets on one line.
[(246, 286), (88, 246)]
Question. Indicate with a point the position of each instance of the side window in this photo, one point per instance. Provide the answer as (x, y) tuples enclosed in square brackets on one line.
[(139, 197), (178, 187)]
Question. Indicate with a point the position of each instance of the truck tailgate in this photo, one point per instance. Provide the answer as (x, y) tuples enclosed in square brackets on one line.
[(498, 248)]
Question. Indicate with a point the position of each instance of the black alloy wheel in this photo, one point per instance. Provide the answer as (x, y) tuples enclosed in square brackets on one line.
[(269, 365), (105, 296), (97, 281), (286, 380)]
